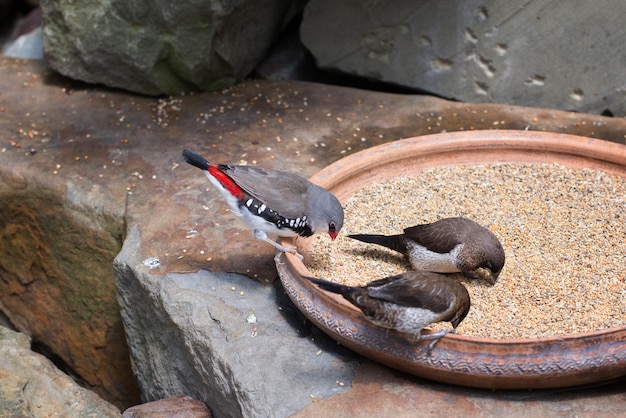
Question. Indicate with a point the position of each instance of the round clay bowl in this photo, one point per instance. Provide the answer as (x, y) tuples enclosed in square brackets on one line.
[(552, 362)]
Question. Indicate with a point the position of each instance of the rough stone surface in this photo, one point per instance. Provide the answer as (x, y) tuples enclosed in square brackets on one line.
[(113, 156), (562, 55), (31, 386), (161, 47), (57, 245), (59, 235), (172, 407), (224, 339), (382, 392)]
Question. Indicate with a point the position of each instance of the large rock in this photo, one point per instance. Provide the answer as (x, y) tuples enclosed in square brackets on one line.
[(161, 47), (31, 386), (61, 225), (57, 245), (110, 162), (563, 55), (229, 341)]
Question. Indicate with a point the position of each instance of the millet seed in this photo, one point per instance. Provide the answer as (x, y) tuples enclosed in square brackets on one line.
[(563, 231)]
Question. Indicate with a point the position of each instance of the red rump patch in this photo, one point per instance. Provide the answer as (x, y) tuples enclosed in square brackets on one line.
[(226, 181)]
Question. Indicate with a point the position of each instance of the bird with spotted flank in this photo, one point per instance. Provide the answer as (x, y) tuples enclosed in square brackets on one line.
[(273, 202)]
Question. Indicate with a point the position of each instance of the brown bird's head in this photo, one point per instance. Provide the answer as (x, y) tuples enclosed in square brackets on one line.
[(482, 261), (462, 312)]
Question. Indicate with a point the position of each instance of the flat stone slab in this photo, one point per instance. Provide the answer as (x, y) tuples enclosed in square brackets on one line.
[(182, 250), (380, 391)]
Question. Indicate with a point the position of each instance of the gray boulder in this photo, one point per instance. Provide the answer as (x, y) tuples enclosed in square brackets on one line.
[(563, 55), (161, 47), (33, 387), (231, 342)]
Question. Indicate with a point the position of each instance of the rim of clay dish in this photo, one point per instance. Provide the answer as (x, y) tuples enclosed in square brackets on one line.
[(548, 362)]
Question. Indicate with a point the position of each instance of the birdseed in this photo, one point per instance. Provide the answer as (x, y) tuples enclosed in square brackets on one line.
[(562, 230)]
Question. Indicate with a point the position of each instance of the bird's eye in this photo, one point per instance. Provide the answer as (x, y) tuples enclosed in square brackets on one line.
[(331, 227)]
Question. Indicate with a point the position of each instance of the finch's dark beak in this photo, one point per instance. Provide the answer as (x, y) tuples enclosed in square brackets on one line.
[(483, 274), (332, 234)]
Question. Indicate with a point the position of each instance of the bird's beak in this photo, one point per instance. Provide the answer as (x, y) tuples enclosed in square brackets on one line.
[(492, 277), (483, 274), (333, 235)]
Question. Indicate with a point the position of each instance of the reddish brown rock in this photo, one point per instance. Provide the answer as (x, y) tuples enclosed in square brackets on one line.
[(59, 233), (380, 391), (172, 407), (56, 282)]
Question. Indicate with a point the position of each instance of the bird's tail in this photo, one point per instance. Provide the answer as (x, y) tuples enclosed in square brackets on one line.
[(195, 159), (329, 286), (394, 242)]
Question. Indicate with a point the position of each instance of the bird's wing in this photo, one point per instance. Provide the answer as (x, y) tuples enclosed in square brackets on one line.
[(426, 292), (276, 189), (441, 236)]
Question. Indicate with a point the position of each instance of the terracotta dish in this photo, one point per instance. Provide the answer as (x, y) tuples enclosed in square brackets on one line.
[(477, 362)]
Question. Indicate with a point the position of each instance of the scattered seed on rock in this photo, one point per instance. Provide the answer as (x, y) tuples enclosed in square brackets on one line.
[(563, 231)]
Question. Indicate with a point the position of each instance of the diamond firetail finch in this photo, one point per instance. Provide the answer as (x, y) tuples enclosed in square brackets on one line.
[(273, 202)]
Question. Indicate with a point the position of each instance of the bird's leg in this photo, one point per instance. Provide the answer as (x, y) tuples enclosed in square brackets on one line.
[(435, 337), (262, 236), (278, 258)]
